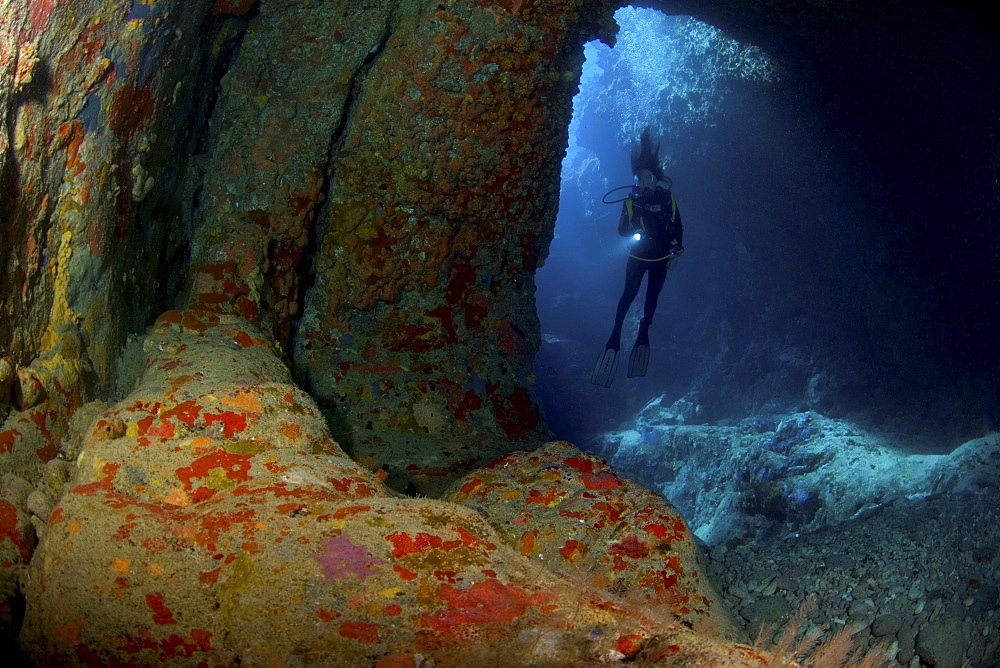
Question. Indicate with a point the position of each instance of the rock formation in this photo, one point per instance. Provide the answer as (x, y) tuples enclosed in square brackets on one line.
[(363, 190), (212, 519), (358, 192)]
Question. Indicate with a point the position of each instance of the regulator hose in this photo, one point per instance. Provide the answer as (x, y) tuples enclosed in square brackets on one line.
[(665, 180)]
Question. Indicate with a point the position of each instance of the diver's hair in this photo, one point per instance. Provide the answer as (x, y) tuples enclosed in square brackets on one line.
[(645, 155)]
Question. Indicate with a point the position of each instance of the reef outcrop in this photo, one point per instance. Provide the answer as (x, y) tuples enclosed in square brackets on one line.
[(211, 519), (771, 476), (418, 335)]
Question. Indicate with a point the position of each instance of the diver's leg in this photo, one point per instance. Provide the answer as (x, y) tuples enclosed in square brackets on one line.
[(657, 276), (639, 359), (607, 363), (633, 279)]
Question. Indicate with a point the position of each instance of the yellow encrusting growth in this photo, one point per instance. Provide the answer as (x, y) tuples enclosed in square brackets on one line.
[(62, 313)]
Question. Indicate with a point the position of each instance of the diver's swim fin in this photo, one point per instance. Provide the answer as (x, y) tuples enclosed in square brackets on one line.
[(607, 365), (638, 361)]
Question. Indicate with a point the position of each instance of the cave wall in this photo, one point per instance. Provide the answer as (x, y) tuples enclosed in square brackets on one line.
[(98, 103), (326, 192), (99, 121), (419, 334), (381, 213)]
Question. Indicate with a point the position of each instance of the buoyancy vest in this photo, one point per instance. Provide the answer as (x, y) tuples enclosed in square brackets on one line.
[(656, 219)]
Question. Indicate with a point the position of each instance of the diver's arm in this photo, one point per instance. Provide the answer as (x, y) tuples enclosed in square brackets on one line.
[(626, 226), (677, 225), (677, 243)]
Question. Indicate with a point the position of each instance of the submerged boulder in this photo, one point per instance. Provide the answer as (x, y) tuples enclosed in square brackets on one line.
[(574, 513), (212, 519), (770, 476)]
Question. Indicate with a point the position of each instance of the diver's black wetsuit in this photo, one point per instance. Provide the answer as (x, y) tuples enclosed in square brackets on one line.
[(655, 217)]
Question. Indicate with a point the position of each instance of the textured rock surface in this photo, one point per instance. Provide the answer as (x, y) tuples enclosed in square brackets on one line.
[(94, 137), (574, 513), (96, 104), (212, 519), (281, 102), (418, 336), (770, 476)]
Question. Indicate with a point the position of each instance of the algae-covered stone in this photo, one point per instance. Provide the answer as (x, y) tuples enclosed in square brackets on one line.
[(574, 513), (940, 643), (211, 518)]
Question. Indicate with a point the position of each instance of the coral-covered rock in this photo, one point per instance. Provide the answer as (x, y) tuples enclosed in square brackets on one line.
[(94, 96), (211, 518), (418, 335), (282, 101), (17, 540), (574, 513)]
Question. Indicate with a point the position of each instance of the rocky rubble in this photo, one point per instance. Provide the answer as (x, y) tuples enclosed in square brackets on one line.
[(917, 577), (816, 516)]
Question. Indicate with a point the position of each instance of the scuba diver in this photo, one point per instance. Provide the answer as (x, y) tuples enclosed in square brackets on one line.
[(651, 224)]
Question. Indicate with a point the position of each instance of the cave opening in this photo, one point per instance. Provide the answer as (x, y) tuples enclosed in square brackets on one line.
[(706, 98), (784, 300)]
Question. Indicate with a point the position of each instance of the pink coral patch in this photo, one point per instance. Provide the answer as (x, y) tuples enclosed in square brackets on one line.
[(340, 556)]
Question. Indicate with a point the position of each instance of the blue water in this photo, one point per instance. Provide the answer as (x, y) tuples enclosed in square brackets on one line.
[(781, 302)]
